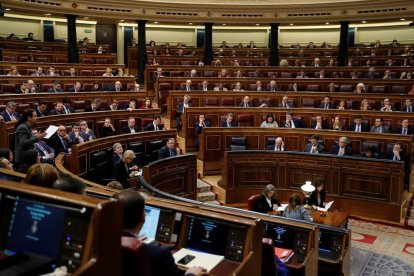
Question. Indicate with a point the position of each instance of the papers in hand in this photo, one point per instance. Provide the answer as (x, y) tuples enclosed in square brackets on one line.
[(206, 260), (50, 131), (327, 206), (282, 207)]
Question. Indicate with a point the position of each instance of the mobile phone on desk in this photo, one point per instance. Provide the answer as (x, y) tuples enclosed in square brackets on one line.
[(186, 259)]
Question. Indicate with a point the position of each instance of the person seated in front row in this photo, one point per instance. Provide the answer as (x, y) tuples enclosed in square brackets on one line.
[(76, 135), (125, 169), (202, 123), (270, 122), (118, 153), (69, 184), (229, 121), (47, 153), (86, 131), (314, 146), (160, 260), (294, 210), (30, 157), (169, 150), (397, 153), (130, 127), (60, 141), (180, 109), (267, 202), (317, 197), (291, 122), (156, 124), (57, 87), (77, 87), (107, 129), (342, 148)]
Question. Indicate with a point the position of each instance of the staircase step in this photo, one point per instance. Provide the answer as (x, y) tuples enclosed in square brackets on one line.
[(206, 196), (203, 187)]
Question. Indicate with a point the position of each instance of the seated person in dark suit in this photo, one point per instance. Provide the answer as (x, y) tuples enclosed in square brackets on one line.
[(358, 125), (58, 110), (317, 197), (131, 127), (342, 148), (327, 104), (107, 129), (76, 135), (22, 89), (77, 87), (370, 152), (169, 150), (314, 146), (118, 153), (319, 123), (124, 169), (66, 106), (273, 87), (117, 87), (397, 153), (229, 121), (10, 113), (279, 144), (202, 123), (7, 165), (57, 87), (406, 128), (180, 109), (161, 262), (95, 105), (41, 108), (292, 122), (266, 202), (60, 141), (246, 102), (285, 103), (187, 86), (156, 124), (47, 153)]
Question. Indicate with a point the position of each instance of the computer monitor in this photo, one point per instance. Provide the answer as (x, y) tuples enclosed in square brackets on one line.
[(325, 242), (282, 236), (152, 217)]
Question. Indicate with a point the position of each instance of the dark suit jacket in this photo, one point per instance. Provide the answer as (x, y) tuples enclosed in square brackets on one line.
[(150, 127), (106, 131), (262, 206), (52, 90), (390, 155), (161, 262), (330, 105), (410, 130), (364, 127), (24, 141), (111, 87), (320, 148), (55, 112), (324, 125), (335, 150), (72, 89), (404, 109), (242, 104), (298, 123), (57, 145), (288, 103), (121, 173), (19, 91), (6, 116), (180, 108), (270, 89), (164, 152), (199, 128), (45, 146), (39, 114), (313, 199), (184, 88), (224, 124), (126, 129)]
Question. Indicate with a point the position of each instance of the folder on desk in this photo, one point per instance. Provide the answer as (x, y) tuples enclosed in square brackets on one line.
[(282, 207), (197, 258), (326, 208)]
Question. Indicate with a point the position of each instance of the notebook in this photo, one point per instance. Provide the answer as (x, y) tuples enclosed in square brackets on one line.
[(326, 208), (186, 258)]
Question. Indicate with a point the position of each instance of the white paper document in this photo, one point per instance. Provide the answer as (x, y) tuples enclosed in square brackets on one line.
[(282, 207), (326, 208), (186, 258), (50, 131)]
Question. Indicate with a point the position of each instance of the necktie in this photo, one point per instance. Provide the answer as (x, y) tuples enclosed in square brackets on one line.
[(63, 142), (188, 88), (12, 117), (41, 148), (404, 131), (228, 125), (357, 129), (132, 130), (326, 106), (171, 153), (409, 109), (203, 125), (156, 127)]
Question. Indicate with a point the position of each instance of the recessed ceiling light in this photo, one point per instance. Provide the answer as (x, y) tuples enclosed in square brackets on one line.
[(326, 23), (402, 19), (364, 22), (47, 14), (257, 24), (7, 9), (291, 24), (224, 24), (156, 22)]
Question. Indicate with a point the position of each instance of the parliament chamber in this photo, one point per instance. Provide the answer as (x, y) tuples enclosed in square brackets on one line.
[(209, 75)]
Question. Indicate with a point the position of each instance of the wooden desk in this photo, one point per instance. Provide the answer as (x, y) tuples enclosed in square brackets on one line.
[(331, 218)]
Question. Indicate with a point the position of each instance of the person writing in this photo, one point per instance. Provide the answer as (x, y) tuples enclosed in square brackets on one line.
[(161, 262), (294, 210), (266, 202), (317, 197)]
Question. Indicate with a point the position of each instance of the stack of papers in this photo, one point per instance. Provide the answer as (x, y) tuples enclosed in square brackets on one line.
[(206, 260), (282, 207), (327, 206)]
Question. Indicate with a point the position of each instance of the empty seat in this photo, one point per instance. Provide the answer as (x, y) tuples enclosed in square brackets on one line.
[(286, 75), (139, 150), (176, 74), (245, 120), (251, 202), (88, 86), (210, 74), (102, 61), (345, 88), (99, 72), (378, 89), (228, 102), (47, 86), (21, 107), (238, 143), (42, 59), (307, 102), (8, 88), (61, 60), (9, 58), (85, 72), (211, 102), (87, 61), (154, 147), (270, 143), (313, 87), (78, 106), (398, 89), (102, 168)]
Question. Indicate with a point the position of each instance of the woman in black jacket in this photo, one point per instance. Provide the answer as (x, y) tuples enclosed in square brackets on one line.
[(317, 197), (266, 201)]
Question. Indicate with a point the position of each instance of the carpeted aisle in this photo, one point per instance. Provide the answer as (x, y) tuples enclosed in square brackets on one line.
[(379, 249)]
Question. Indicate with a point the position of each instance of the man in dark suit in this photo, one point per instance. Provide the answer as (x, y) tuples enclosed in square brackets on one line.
[(41, 108), (397, 153), (25, 139), (66, 106), (358, 125), (408, 106), (159, 258), (273, 87), (406, 128), (155, 125), (58, 110), (319, 123), (77, 87), (169, 150), (202, 123), (180, 109), (229, 121), (246, 102), (47, 154), (32, 87), (117, 87), (118, 152), (327, 104), (130, 127), (285, 103), (187, 86), (291, 122), (22, 89), (379, 126), (60, 141), (95, 105), (342, 148), (314, 146), (10, 113), (57, 87), (76, 135)]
